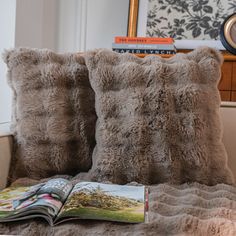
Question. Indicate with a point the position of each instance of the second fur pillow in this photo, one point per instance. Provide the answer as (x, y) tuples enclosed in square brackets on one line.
[(158, 119)]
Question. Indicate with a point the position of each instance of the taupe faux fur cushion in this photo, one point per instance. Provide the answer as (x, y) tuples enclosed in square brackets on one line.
[(53, 116), (158, 119)]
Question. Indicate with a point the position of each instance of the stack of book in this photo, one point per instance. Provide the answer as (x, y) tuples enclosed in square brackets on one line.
[(143, 45)]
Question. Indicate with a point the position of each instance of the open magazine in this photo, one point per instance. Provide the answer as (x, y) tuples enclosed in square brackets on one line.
[(58, 200)]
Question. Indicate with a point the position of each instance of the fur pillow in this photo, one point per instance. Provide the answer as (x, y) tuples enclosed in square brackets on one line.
[(158, 119), (53, 116)]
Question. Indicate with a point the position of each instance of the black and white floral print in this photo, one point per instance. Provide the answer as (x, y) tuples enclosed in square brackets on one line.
[(187, 19)]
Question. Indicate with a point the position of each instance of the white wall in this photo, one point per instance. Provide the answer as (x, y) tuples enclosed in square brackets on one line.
[(36, 23), (105, 20), (7, 40), (68, 25), (89, 24)]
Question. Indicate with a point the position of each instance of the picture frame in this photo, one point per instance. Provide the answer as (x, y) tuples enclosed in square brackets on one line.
[(137, 24)]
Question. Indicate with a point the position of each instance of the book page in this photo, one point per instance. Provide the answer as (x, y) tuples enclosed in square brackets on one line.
[(9, 195), (89, 200), (46, 198), (58, 188)]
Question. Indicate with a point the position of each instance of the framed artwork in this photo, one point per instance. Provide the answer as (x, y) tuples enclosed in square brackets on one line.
[(192, 23)]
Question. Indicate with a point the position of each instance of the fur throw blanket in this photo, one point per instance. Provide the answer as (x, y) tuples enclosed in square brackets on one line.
[(186, 210)]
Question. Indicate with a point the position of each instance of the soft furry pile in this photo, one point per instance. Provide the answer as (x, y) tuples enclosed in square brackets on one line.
[(158, 119), (53, 113), (193, 209)]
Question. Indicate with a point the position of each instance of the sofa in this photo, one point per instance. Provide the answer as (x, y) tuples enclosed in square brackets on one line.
[(228, 116), (183, 202)]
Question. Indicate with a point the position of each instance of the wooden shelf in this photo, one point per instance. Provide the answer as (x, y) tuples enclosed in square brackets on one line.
[(227, 56)]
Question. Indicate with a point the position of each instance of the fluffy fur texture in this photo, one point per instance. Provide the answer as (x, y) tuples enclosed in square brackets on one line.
[(53, 113), (158, 119), (188, 209)]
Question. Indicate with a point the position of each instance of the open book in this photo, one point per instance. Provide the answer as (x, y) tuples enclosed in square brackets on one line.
[(58, 200)]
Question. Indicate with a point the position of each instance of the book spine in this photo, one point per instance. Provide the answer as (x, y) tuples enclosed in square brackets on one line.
[(144, 51), (146, 205), (143, 40), (144, 46)]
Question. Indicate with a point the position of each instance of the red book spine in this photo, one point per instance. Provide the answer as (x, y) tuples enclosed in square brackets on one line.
[(143, 40)]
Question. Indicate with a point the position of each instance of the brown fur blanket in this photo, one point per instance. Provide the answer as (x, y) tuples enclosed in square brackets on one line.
[(188, 209)]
